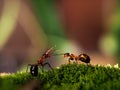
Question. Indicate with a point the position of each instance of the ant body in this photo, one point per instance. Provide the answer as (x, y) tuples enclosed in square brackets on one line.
[(40, 62), (71, 57), (82, 57)]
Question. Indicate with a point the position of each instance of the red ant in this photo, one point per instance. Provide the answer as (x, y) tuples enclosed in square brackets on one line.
[(82, 57), (40, 62)]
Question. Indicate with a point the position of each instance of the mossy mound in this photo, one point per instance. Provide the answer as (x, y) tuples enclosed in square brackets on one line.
[(67, 77)]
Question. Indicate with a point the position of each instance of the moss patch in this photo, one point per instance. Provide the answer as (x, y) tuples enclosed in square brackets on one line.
[(67, 77)]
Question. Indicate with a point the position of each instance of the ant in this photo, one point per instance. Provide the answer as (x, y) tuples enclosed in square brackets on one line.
[(34, 67), (82, 57), (40, 62)]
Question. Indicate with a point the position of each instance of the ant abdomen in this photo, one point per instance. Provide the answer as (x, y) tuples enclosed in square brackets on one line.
[(84, 58), (34, 70)]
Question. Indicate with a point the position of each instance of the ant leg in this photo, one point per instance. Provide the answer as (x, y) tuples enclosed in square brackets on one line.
[(47, 64), (76, 61), (42, 67), (69, 61)]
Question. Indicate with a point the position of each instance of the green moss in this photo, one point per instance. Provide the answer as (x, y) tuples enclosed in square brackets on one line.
[(68, 77)]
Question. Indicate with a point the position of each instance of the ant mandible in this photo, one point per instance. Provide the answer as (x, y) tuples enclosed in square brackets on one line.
[(40, 62), (82, 57)]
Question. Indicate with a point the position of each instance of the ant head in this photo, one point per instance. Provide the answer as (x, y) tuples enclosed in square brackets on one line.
[(66, 54)]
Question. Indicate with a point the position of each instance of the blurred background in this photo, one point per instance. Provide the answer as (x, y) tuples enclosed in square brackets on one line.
[(29, 27)]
